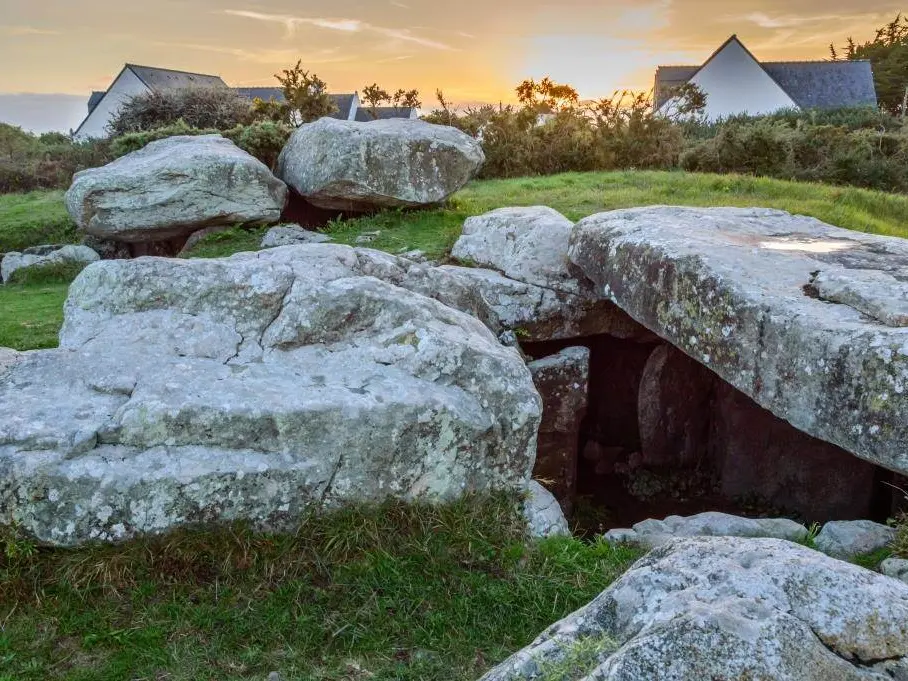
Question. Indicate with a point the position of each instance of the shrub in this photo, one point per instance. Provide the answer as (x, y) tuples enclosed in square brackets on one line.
[(822, 153), (219, 108), (263, 139), (29, 162)]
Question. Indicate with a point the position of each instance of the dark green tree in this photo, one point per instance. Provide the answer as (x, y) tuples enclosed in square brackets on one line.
[(888, 53)]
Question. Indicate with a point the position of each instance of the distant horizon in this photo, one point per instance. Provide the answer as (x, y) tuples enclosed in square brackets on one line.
[(473, 53)]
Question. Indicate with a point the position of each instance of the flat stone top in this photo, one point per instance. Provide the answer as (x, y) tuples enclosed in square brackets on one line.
[(807, 319), (797, 260)]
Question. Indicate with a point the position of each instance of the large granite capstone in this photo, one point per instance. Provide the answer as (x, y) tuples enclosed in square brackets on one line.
[(174, 187), (804, 318), (254, 388)]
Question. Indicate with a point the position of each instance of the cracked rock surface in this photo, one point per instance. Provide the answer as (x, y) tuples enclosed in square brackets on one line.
[(254, 387), (728, 608), (806, 319), (173, 187)]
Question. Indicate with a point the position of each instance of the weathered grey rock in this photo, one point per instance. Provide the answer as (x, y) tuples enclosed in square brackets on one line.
[(173, 187), (348, 165), (562, 381), (741, 291), (8, 358), (723, 608), (530, 312), (849, 538), (897, 568), (64, 255), (43, 249), (525, 244), (292, 235), (416, 255), (544, 516), (254, 387), (652, 533)]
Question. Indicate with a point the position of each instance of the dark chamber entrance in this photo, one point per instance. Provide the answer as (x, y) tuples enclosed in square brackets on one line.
[(663, 435)]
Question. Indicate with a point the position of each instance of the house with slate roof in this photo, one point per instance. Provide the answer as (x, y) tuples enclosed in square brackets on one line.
[(735, 82), (136, 80)]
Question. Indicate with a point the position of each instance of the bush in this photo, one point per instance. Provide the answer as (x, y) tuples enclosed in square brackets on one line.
[(264, 139), (822, 153), (29, 162), (219, 108)]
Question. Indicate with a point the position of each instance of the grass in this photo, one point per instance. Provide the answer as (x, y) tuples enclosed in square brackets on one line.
[(33, 219), (31, 315), (393, 592), (578, 195)]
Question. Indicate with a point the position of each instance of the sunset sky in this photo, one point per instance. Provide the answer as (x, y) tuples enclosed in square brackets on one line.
[(475, 50)]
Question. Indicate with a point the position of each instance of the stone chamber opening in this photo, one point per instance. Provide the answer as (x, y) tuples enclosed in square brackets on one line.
[(663, 435)]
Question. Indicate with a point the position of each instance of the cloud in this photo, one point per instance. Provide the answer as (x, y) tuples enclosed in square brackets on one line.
[(791, 21), (27, 30), (262, 56), (291, 23)]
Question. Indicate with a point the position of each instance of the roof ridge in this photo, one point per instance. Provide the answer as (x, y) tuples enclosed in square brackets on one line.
[(820, 61), (161, 68)]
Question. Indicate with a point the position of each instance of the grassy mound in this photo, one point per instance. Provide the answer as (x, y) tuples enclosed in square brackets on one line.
[(390, 592)]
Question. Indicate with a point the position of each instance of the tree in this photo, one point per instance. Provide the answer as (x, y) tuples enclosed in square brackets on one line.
[(375, 95), (406, 98), (305, 94), (546, 96), (888, 52)]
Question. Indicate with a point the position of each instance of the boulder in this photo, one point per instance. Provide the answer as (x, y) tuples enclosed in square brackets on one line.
[(759, 296), (348, 165), (254, 388), (173, 187), (292, 235), (848, 538), (651, 533), (525, 244), (561, 380), (727, 608), (45, 257), (8, 358), (520, 311), (544, 516), (897, 568)]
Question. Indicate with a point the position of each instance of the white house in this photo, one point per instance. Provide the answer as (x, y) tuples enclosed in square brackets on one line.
[(735, 82), (136, 80)]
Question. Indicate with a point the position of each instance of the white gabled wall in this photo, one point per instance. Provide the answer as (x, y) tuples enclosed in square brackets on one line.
[(735, 83), (125, 86)]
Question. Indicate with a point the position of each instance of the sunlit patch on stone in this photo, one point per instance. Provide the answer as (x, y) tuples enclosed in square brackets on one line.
[(808, 246)]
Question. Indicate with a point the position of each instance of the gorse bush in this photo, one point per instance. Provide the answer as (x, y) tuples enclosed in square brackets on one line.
[(29, 162), (263, 139), (220, 108), (823, 153)]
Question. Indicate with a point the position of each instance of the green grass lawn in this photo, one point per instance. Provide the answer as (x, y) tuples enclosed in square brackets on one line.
[(397, 592), (31, 315), (578, 195), (33, 219)]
